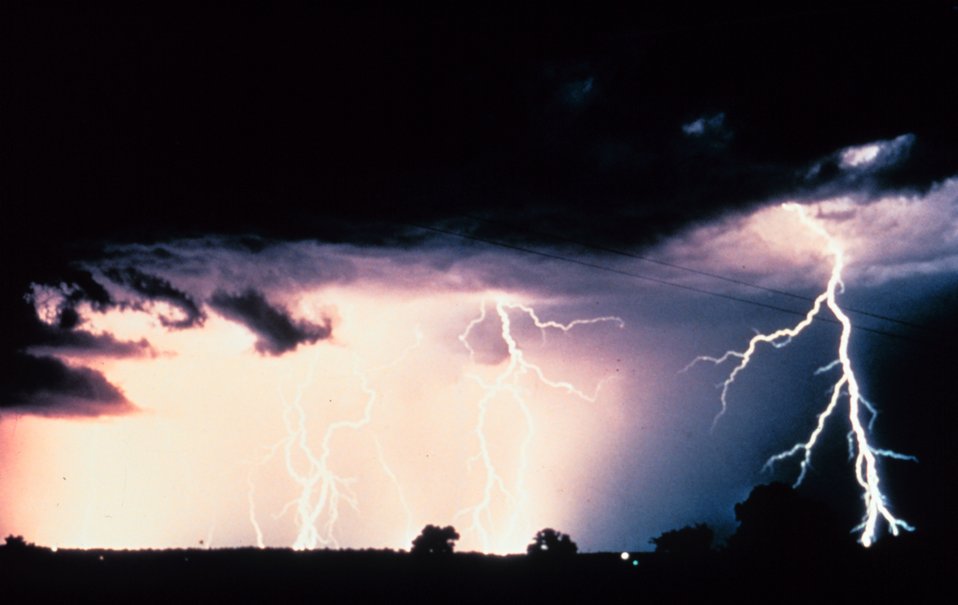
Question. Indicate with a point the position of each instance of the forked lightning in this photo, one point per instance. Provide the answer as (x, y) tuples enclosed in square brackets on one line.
[(861, 450)]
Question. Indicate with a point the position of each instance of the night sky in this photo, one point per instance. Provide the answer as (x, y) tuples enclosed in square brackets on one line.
[(274, 277)]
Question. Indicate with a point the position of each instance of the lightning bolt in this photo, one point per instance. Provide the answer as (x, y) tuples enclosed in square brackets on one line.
[(209, 536), (321, 490), (251, 503), (403, 503), (860, 450), (507, 384)]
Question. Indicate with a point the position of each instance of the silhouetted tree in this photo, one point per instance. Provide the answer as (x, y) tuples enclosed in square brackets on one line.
[(783, 534), (691, 540), (16, 543), (550, 542), (435, 540), (776, 517)]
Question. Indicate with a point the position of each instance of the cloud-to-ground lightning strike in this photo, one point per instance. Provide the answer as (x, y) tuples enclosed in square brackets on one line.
[(507, 383), (863, 453), (321, 490)]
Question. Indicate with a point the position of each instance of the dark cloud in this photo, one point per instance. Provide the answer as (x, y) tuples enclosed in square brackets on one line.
[(33, 382), (705, 125), (158, 289), (348, 126), (80, 343), (867, 168), (578, 92), (276, 331), (81, 286), (212, 126), (69, 319), (60, 331), (707, 134), (48, 387)]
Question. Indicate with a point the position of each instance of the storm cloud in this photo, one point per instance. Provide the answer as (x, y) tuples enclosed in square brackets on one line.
[(154, 288), (46, 386), (81, 343), (276, 332), (615, 129)]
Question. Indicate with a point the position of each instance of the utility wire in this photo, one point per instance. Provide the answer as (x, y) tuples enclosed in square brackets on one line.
[(662, 263), (664, 282)]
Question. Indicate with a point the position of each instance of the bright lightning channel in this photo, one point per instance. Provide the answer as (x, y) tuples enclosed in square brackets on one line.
[(860, 450), (507, 383), (321, 490)]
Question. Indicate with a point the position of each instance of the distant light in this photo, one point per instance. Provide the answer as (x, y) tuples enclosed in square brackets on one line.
[(635, 563), (625, 556), (53, 548)]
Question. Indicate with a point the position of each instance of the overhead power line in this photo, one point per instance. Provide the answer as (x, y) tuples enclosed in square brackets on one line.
[(591, 265), (715, 276)]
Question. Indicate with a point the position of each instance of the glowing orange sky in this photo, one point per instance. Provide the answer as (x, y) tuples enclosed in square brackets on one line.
[(178, 471)]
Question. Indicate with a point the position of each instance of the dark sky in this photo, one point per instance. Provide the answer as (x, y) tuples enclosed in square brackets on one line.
[(352, 124), (148, 124)]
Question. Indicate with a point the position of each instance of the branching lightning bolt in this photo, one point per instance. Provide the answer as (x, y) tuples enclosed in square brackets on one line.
[(507, 383), (860, 450), (408, 528), (321, 490)]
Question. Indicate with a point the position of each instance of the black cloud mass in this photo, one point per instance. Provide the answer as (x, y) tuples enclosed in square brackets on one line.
[(33, 381), (157, 289), (350, 125), (276, 332), (81, 342), (49, 387)]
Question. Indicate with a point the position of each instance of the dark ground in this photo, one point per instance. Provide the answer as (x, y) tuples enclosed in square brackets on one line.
[(904, 569)]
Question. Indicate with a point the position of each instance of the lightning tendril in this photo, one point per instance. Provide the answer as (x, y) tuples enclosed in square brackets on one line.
[(322, 491), (507, 384)]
